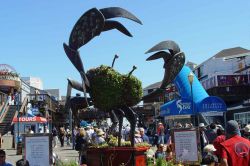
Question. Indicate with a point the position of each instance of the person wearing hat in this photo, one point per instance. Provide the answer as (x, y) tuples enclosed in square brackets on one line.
[(203, 137), (247, 132), (100, 137), (210, 158), (235, 150)]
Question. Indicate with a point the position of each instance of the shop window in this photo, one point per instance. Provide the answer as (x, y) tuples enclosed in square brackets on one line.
[(243, 118)]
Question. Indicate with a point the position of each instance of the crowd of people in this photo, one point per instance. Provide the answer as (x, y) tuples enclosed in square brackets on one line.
[(219, 145)]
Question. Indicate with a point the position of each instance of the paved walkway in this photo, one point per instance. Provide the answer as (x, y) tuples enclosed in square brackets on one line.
[(64, 153)]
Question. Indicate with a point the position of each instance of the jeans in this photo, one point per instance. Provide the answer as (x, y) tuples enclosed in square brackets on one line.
[(160, 139)]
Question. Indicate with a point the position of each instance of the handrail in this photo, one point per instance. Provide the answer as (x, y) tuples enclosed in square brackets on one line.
[(25, 102), (3, 113), (3, 109)]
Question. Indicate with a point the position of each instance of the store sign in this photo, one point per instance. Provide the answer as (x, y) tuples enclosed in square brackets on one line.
[(4, 75), (212, 103), (177, 107), (182, 105), (30, 119), (227, 80), (27, 119)]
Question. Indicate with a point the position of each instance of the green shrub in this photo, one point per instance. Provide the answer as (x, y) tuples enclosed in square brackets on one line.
[(110, 89)]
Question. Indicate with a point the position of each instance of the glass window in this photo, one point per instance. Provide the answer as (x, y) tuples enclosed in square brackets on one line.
[(243, 118)]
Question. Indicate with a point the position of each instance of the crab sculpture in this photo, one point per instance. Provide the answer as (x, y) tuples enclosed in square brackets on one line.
[(124, 91), (90, 25)]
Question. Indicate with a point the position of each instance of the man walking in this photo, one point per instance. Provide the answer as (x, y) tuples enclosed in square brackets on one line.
[(235, 150)]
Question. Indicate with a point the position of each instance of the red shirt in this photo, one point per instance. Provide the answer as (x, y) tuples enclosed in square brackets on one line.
[(236, 151), (217, 144)]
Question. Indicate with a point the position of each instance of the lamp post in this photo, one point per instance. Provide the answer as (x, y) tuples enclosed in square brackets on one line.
[(17, 98), (191, 79)]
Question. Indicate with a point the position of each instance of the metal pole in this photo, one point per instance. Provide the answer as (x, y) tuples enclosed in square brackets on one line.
[(193, 119), (18, 114)]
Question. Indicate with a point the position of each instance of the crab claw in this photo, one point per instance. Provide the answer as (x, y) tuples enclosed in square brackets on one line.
[(112, 12), (166, 45), (93, 22), (173, 63)]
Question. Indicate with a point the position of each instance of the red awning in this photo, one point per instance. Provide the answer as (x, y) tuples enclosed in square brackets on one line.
[(30, 119)]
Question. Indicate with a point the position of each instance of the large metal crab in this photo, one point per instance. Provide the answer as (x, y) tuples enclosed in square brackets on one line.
[(91, 24)]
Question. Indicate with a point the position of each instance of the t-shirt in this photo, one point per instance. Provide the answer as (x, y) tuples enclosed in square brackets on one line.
[(236, 151)]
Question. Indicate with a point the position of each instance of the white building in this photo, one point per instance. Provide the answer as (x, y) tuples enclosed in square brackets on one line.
[(227, 75), (35, 82)]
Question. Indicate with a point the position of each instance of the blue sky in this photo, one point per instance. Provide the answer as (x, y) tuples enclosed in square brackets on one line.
[(32, 34)]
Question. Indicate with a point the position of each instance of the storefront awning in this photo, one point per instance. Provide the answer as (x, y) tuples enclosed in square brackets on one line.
[(30, 119)]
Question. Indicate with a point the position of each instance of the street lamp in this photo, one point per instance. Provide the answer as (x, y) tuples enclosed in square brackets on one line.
[(191, 79)]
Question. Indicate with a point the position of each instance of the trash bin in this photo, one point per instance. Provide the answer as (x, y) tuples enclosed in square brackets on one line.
[(19, 148)]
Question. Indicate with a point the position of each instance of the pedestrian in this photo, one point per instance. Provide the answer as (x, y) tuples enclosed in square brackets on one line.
[(211, 133), (3, 159), (210, 158), (247, 132), (160, 153), (235, 150), (75, 132), (55, 138), (22, 162), (203, 137), (61, 136), (160, 133), (143, 135), (100, 139), (68, 135), (218, 140), (138, 138), (81, 146)]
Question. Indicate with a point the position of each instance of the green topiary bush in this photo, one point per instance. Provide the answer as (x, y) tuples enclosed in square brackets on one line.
[(110, 89)]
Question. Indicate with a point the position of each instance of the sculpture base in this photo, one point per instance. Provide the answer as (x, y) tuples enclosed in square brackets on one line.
[(117, 156)]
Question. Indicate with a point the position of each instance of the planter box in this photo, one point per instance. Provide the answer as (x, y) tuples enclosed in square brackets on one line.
[(116, 156)]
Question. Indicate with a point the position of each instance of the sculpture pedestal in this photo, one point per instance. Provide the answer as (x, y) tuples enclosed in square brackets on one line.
[(116, 156)]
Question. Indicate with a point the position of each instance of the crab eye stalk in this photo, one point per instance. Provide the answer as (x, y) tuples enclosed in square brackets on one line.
[(129, 74), (115, 57)]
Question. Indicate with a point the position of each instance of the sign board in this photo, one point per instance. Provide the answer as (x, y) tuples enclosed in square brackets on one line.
[(38, 149), (30, 119), (177, 107), (186, 146)]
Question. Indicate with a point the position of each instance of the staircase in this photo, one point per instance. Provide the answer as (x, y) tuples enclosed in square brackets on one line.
[(5, 124)]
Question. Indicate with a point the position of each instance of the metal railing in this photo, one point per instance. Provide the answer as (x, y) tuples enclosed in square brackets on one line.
[(3, 104)]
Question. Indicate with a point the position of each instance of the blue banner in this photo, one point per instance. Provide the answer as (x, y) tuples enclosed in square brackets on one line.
[(212, 103)]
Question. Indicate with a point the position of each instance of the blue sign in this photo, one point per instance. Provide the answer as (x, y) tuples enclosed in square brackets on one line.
[(177, 107), (212, 103)]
